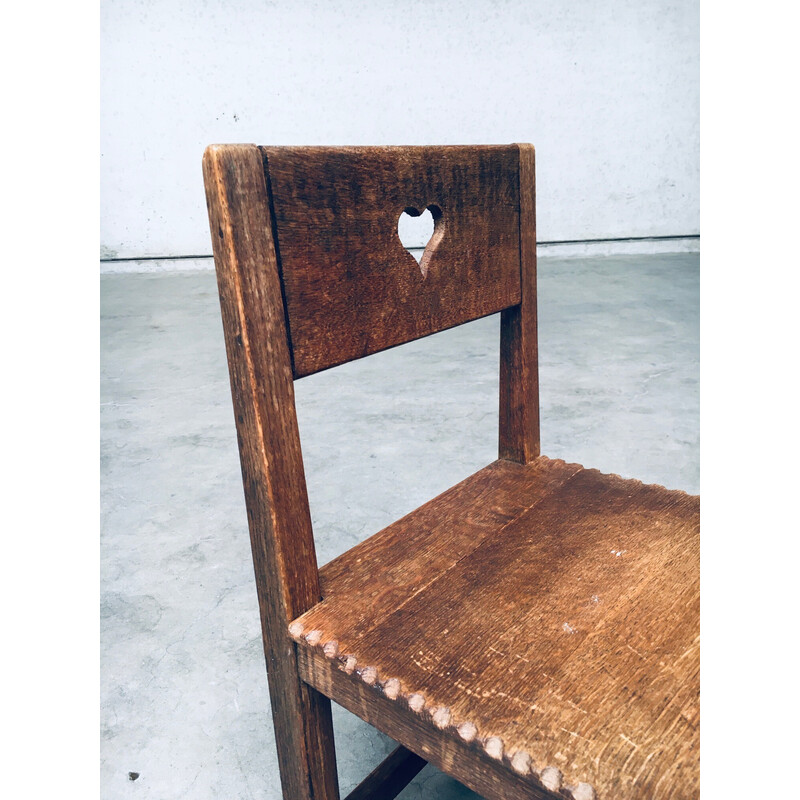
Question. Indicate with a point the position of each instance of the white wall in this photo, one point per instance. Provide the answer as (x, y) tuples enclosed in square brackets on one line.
[(607, 91)]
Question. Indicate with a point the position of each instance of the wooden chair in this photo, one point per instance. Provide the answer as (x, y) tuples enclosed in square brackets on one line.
[(533, 631)]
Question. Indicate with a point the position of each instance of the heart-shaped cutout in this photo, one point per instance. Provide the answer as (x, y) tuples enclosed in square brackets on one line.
[(420, 232)]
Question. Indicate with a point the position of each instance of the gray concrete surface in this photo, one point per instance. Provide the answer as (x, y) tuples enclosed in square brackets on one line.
[(183, 687)]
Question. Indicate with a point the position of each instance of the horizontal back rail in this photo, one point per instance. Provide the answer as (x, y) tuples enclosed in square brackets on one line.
[(350, 287)]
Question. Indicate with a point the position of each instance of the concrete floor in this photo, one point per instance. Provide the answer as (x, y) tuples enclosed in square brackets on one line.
[(183, 690)]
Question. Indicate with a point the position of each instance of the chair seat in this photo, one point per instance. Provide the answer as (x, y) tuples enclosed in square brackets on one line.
[(546, 615)]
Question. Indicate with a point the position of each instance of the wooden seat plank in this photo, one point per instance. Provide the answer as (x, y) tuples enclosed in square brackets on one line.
[(568, 637), (368, 582)]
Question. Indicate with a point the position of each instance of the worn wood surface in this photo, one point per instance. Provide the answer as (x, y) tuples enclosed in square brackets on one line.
[(350, 286), (519, 360), (390, 777), (372, 579), (272, 468), (563, 643), (467, 762)]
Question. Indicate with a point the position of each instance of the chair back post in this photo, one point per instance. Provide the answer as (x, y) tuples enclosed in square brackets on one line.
[(519, 360), (284, 558)]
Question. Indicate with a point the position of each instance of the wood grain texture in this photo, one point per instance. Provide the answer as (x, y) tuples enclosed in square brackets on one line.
[(565, 643), (465, 761), (390, 777), (272, 468), (350, 286), (519, 360), (377, 576)]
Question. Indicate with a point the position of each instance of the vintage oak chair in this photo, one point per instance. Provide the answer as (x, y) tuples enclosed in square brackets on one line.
[(533, 631)]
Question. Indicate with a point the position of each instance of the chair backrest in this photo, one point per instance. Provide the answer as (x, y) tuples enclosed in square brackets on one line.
[(350, 286), (312, 274)]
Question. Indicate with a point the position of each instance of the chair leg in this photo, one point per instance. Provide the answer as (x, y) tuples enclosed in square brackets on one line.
[(390, 777), (303, 734)]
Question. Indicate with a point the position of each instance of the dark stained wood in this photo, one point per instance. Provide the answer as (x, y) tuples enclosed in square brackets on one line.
[(519, 363), (350, 286), (272, 468), (533, 631), (390, 777), (566, 639)]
